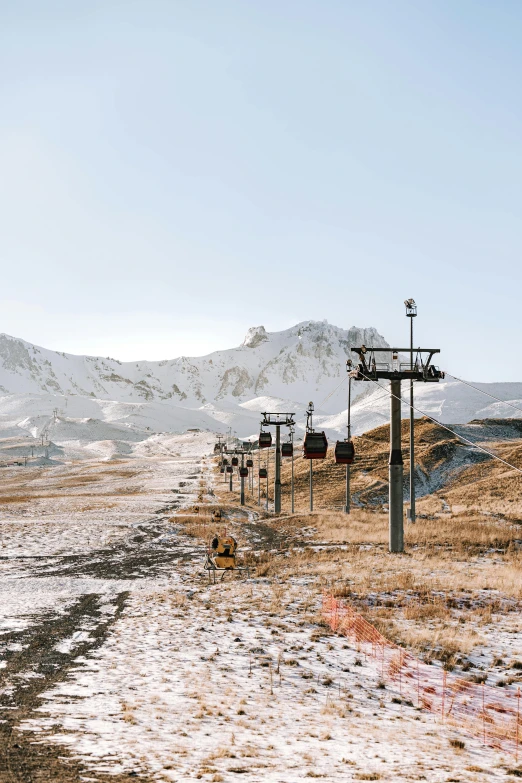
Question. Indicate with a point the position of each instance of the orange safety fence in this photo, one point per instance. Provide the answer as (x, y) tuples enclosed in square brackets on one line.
[(491, 713)]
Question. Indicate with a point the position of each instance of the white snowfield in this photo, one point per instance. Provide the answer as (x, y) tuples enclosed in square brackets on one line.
[(98, 407)]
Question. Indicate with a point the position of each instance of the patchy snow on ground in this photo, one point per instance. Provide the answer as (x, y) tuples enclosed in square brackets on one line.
[(213, 681), (196, 680)]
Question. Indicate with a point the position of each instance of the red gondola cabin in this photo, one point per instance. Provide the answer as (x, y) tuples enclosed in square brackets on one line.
[(344, 452), (230, 469), (315, 445), (235, 461), (287, 450), (265, 440), (263, 473), (250, 463), (243, 472)]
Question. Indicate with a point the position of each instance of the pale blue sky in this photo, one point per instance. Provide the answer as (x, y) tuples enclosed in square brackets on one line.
[(173, 172)]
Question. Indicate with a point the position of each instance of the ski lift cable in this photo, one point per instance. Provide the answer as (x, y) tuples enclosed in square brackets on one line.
[(359, 405), (466, 383), (466, 440), (332, 392)]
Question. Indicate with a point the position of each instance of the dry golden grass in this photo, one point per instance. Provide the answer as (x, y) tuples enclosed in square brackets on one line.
[(485, 485)]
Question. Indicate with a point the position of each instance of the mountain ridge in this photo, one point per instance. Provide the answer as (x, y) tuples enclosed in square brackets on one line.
[(289, 359), (75, 399)]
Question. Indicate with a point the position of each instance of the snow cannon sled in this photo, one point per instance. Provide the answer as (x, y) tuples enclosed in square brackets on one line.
[(222, 556)]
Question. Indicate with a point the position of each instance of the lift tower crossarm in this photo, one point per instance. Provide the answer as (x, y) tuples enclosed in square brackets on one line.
[(369, 369)]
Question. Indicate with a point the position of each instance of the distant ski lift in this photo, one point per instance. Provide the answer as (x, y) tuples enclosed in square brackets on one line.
[(265, 440), (287, 450), (222, 470), (315, 445), (235, 461), (263, 473), (230, 469), (250, 463), (243, 472), (344, 452)]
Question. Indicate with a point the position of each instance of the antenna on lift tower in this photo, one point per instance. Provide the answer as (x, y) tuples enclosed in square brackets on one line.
[(395, 371)]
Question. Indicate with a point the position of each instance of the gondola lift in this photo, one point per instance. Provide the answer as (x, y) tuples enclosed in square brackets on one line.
[(265, 440), (287, 449), (315, 445), (344, 452)]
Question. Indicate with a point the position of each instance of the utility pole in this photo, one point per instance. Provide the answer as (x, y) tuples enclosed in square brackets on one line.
[(395, 372), (411, 312), (267, 472), (396, 467), (242, 480), (349, 364), (277, 420), (239, 452), (292, 441), (310, 428), (277, 481), (258, 477)]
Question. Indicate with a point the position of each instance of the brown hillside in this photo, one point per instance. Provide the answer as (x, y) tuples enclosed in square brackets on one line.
[(449, 473)]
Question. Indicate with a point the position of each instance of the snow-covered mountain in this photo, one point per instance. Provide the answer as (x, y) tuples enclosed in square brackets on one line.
[(294, 364), (111, 405)]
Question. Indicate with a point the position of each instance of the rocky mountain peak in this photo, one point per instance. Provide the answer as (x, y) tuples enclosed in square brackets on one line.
[(255, 336)]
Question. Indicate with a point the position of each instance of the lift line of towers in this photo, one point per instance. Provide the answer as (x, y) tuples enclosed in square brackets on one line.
[(315, 445)]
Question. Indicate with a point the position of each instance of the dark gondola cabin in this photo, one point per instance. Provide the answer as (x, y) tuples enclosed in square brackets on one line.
[(315, 445), (243, 472), (222, 470), (265, 440), (250, 463), (287, 450), (225, 461), (235, 461), (344, 452), (263, 473), (230, 469)]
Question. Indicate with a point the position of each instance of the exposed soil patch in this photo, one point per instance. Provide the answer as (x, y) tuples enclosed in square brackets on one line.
[(34, 664)]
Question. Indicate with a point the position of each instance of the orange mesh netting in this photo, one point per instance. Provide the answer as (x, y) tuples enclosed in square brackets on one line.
[(491, 713)]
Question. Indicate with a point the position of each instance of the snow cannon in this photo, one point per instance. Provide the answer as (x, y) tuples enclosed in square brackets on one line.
[(224, 552)]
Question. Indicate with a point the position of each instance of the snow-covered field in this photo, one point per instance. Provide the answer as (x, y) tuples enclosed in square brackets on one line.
[(144, 669)]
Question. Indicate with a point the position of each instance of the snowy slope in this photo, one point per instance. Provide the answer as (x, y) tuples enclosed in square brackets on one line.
[(294, 364)]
